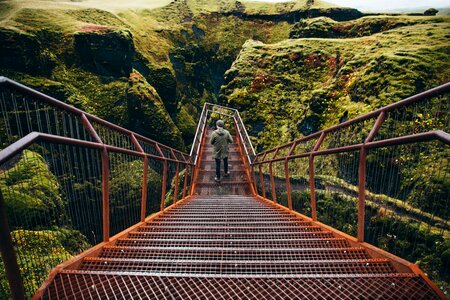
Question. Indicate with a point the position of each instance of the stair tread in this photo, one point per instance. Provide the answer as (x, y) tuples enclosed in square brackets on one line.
[(149, 285)]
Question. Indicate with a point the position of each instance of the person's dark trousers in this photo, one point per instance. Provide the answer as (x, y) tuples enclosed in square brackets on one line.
[(225, 166)]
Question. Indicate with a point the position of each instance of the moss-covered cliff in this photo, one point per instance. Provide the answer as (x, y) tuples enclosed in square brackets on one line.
[(299, 86), (83, 53)]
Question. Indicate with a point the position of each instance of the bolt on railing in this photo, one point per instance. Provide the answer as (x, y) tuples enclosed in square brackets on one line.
[(70, 180)]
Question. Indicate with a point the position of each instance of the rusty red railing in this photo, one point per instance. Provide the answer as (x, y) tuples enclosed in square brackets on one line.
[(69, 180), (78, 172), (385, 173), (286, 153), (209, 115)]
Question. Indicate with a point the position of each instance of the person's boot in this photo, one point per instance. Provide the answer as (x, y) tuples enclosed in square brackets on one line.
[(217, 179), (227, 174)]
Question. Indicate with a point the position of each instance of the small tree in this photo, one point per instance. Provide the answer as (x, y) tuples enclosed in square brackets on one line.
[(430, 12)]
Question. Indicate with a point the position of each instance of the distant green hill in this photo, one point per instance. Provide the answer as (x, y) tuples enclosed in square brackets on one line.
[(89, 53), (298, 86)]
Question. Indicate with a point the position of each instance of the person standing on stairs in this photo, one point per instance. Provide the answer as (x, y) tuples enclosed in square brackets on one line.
[(220, 139)]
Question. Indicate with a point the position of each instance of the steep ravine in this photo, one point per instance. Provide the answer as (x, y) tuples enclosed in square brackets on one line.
[(91, 58)]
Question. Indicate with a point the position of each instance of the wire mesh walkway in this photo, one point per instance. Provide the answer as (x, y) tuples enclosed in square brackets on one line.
[(224, 243)]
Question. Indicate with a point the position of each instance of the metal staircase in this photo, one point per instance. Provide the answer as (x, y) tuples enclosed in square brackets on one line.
[(236, 184), (231, 240), (222, 244)]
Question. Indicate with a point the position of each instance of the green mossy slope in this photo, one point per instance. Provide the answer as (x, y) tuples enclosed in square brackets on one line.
[(296, 87), (31, 193), (84, 55)]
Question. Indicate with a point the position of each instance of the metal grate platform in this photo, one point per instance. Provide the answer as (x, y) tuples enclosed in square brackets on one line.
[(222, 244), (72, 285)]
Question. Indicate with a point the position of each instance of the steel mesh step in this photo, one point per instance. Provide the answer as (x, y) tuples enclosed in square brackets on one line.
[(230, 229), (234, 253), (105, 286), (275, 267), (286, 243), (228, 235)]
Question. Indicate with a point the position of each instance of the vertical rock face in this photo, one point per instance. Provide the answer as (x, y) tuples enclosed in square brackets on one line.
[(165, 83), (146, 114), (104, 51), (23, 52)]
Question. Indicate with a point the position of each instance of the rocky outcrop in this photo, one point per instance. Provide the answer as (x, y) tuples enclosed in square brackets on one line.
[(299, 86), (105, 51), (324, 27), (335, 13), (31, 191), (145, 113), (22, 51)]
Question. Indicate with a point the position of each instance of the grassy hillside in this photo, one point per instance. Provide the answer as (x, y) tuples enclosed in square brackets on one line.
[(292, 68), (298, 86), (85, 52)]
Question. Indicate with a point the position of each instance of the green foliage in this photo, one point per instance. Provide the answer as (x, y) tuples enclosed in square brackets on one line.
[(126, 188), (36, 214), (187, 125), (314, 81), (146, 114), (301, 201), (106, 52), (31, 193), (40, 251), (389, 231), (324, 27), (80, 53)]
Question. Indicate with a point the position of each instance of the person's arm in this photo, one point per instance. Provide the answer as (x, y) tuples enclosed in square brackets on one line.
[(213, 139), (230, 139)]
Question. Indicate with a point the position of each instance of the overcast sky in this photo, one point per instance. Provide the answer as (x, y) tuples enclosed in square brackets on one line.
[(390, 4)]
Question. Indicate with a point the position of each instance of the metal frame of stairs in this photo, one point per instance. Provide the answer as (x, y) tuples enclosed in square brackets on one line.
[(224, 241)]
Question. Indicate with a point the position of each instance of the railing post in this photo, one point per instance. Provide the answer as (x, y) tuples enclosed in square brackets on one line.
[(312, 185), (164, 183), (9, 256), (175, 191), (361, 192), (287, 175), (144, 178), (105, 177), (288, 183), (272, 183), (186, 173), (312, 188), (191, 186), (362, 170), (261, 178), (144, 190), (105, 195), (255, 187)]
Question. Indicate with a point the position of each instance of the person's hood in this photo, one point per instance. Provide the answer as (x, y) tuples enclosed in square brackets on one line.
[(220, 131)]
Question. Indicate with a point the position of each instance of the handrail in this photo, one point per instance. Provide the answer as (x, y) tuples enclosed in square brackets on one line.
[(244, 142), (198, 135), (246, 134), (242, 131), (34, 137), (69, 108), (93, 140), (442, 89), (381, 115), (419, 137)]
